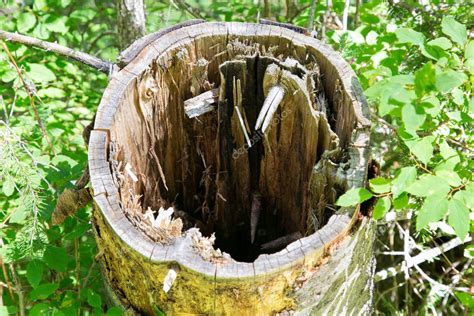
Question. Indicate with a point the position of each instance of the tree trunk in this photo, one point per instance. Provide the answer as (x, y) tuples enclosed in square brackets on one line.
[(247, 133), (131, 21)]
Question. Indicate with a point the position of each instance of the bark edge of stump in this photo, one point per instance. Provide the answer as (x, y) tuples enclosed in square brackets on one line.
[(312, 274)]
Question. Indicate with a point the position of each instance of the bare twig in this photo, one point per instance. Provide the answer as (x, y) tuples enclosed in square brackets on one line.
[(94, 62), (30, 91), (7, 280), (188, 8), (95, 40), (423, 256)]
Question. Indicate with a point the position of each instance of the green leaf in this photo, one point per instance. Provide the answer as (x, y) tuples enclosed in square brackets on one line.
[(433, 209), (406, 177), (428, 185), (466, 299), (401, 202), (19, 216), (381, 207), (431, 105), (51, 93), (406, 35), (40, 73), (458, 96), (78, 231), (449, 79), (40, 309), (441, 42), (25, 22), (354, 197), (114, 311), (450, 156), (380, 185), (56, 258), (93, 299), (34, 272), (412, 117), (425, 79), (455, 30), (433, 52), (469, 252), (465, 197), (8, 187), (422, 148), (458, 218), (469, 51), (450, 176), (43, 291), (56, 24)]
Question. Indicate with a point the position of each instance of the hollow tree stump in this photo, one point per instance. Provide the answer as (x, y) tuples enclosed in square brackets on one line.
[(218, 152)]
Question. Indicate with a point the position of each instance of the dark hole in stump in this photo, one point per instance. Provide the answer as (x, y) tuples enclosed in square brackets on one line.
[(252, 183)]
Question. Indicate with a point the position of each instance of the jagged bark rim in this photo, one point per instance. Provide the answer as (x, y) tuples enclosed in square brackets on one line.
[(304, 251)]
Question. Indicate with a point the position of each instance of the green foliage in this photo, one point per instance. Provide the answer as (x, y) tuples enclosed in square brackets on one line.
[(416, 64), (418, 75), (48, 266), (418, 103)]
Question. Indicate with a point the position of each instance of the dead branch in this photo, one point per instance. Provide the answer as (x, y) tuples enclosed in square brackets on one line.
[(94, 62), (423, 256)]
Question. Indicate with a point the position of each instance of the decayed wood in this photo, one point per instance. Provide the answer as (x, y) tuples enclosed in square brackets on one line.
[(212, 180), (201, 104)]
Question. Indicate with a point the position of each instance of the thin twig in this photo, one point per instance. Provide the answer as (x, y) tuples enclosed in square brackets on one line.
[(94, 62), (7, 280), (298, 12), (188, 8), (86, 279), (107, 33), (30, 93)]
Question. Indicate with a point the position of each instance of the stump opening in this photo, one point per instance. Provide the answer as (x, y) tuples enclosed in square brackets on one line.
[(233, 139), (245, 131)]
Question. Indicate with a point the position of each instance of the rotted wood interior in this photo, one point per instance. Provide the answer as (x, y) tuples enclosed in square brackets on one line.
[(249, 132), (247, 181)]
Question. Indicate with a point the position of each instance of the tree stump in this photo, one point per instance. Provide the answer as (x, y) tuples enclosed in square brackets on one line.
[(218, 152)]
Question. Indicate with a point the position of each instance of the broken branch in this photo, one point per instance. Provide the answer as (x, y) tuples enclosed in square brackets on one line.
[(94, 62)]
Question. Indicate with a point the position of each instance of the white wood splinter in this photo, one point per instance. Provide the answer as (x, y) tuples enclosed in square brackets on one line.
[(201, 104), (270, 105)]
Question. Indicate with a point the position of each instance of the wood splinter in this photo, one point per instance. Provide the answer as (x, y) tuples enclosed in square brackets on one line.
[(270, 105), (201, 104)]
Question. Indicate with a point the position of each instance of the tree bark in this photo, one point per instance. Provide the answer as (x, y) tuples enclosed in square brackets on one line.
[(131, 21), (247, 131)]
